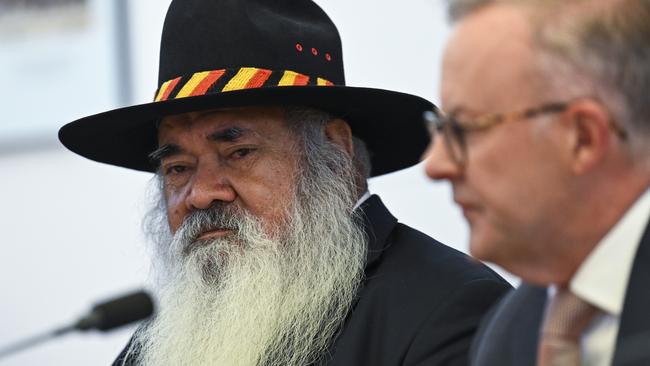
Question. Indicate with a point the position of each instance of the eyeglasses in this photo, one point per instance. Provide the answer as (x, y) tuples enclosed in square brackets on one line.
[(455, 132)]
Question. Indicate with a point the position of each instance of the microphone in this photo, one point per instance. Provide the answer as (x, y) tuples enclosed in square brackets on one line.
[(117, 312), (103, 317)]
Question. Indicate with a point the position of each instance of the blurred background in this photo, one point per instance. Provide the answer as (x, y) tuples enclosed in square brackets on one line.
[(71, 227)]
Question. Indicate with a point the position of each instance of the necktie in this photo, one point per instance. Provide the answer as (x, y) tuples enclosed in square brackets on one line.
[(566, 319)]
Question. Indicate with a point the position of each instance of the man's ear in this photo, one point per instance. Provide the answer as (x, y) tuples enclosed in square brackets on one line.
[(338, 131), (590, 134)]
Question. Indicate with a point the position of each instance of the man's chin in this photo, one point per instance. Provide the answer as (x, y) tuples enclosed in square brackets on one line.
[(490, 246), (207, 257), (481, 246)]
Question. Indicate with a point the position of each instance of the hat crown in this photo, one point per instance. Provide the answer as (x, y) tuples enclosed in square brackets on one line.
[(295, 35), (236, 53)]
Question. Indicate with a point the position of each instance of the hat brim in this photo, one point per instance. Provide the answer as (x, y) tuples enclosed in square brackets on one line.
[(390, 123)]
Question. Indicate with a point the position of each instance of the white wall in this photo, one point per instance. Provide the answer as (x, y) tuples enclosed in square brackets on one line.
[(70, 227)]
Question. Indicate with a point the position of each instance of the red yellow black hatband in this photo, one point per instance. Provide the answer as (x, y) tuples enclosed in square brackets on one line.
[(225, 80)]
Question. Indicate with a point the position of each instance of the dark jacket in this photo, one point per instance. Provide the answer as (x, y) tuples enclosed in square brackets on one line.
[(509, 335), (421, 302)]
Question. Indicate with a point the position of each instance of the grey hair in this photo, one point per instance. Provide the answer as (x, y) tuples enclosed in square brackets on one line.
[(587, 48), (458, 9), (308, 124)]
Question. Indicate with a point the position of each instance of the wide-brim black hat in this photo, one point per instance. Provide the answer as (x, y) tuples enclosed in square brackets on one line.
[(235, 53)]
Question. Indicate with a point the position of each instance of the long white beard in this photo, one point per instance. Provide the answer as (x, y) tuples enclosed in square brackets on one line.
[(257, 299)]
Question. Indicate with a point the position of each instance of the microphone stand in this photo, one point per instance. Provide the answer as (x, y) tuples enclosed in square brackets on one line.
[(105, 316), (34, 340)]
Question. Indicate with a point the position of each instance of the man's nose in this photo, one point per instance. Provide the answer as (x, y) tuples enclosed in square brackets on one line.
[(438, 163), (208, 186)]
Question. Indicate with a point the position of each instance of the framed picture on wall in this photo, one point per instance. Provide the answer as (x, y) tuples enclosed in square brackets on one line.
[(58, 62)]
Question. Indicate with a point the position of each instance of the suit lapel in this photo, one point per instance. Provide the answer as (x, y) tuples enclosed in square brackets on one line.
[(528, 311), (509, 336), (528, 325), (633, 340)]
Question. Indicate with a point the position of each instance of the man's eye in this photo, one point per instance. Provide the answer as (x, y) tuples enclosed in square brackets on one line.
[(240, 153), (175, 169)]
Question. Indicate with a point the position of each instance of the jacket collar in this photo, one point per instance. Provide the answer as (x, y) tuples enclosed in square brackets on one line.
[(378, 223)]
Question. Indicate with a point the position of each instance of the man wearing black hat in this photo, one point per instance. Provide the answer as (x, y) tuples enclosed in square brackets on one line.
[(269, 250)]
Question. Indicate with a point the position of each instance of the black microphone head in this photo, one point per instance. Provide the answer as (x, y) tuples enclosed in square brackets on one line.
[(117, 312)]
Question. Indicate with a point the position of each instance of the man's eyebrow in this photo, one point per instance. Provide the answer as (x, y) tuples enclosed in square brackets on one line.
[(229, 134), (164, 151)]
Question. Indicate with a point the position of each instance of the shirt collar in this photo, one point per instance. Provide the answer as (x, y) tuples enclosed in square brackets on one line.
[(361, 200), (602, 278)]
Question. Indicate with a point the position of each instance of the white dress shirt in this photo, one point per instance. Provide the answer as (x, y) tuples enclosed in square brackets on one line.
[(361, 200), (602, 281)]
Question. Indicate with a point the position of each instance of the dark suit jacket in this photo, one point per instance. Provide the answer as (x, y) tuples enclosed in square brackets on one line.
[(510, 333), (421, 302)]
